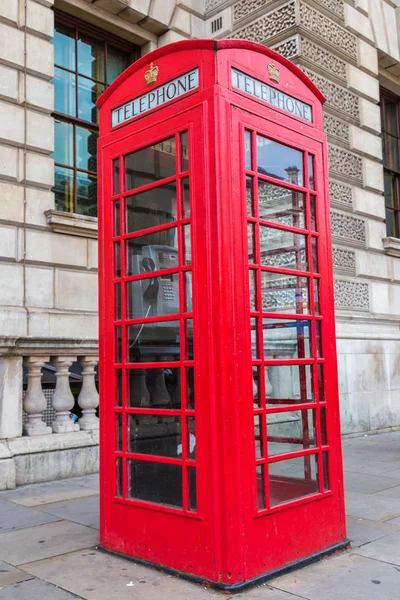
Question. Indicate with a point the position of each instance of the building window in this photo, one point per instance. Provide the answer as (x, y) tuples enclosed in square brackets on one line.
[(390, 107), (86, 61)]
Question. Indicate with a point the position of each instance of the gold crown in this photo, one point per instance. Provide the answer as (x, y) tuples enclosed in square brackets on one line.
[(273, 72), (151, 75)]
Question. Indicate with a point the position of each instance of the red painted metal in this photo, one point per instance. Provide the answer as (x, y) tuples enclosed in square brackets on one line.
[(243, 526)]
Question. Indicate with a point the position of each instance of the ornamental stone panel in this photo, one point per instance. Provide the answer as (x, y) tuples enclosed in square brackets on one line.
[(334, 6), (336, 128), (344, 261), (344, 163), (340, 194), (323, 59), (347, 229), (351, 295), (243, 8), (289, 48), (337, 97), (269, 25)]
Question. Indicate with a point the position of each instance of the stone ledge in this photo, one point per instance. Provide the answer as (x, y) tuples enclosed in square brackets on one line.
[(49, 443), (72, 223), (58, 346), (392, 246)]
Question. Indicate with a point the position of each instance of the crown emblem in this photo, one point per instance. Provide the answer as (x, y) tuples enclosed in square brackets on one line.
[(273, 72), (151, 75)]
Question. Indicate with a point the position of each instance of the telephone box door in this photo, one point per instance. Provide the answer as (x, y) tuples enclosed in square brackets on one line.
[(157, 451), (294, 506)]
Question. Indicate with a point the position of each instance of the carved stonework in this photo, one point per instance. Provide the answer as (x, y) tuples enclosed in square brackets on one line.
[(351, 295), (348, 229), (328, 31), (344, 163), (288, 48), (210, 4), (344, 261), (336, 128), (243, 8), (340, 194), (269, 25), (323, 59), (335, 6), (337, 97)]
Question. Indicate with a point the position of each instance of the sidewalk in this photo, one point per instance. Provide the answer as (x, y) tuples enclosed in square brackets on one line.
[(48, 534)]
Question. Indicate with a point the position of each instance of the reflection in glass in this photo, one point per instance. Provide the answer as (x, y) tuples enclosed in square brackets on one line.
[(291, 431), (88, 94), (152, 296), (391, 144), (321, 383), (154, 388), (64, 47), (152, 252), (256, 382), (63, 143), (313, 218), (116, 175), (311, 181), (151, 209), (86, 149), (187, 244), (86, 194), (289, 384), (155, 482), (324, 433), (284, 249), (250, 243), (64, 189), (258, 436), (284, 293), (316, 296), (64, 92), (279, 161), (293, 478), (192, 489), (314, 250), (184, 151), (187, 278), (253, 289), (249, 196), (117, 220), (255, 350), (247, 148), (150, 164), (190, 388), (117, 259), (91, 58), (191, 438), (286, 338), (153, 342), (117, 312), (186, 198), (159, 436), (189, 338), (260, 487), (318, 338), (390, 191), (117, 62), (118, 387), (325, 463), (118, 477), (118, 344), (118, 432), (281, 205)]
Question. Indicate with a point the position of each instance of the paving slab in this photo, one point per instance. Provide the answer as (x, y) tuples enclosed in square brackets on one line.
[(45, 493), (84, 511), (34, 590), (95, 575), (263, 592), (368, 484), (369, 467), (346, 576), (392, 492), (362, 531), (10, 575), (374, 507), (395, 521), (91, 481), (386, 549), (40, 542), (13, 516)]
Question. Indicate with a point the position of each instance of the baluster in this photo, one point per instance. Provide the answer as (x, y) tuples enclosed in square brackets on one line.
[(63, 400), (88, 398), (35, 401)]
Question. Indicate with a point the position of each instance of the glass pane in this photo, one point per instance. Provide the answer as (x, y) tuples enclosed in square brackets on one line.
[(293, 478), (247, 148), (291, 431), (153, 252), (313, 219), (117, 220), (189, 338), (187, 244), (117, 301), (64, 92), (249, 196), (280, 205), (88, 94), (118, 387), (118, 344), (184, 151), (152, 208), (311, 182), (154, 342), (191, 441), (63, 143), (118, 477), (64, 46), (288, 384), (284, 249), (159, 436), (186, 198), (260, 487), (154, 388), (256, 382), (316, 297), (390, 191), (86, 149), (155, 482), (116, 175), (258, 436), (284, 293), (284, 338), (117, 62), (118, 432), (325, 463), (155, 296), (150, 164), (391, 154), (391, 227), (192, 488), (86, 194), (321, 383), (279, 161), (255, 351), (253, 288), (314, 250), (117, 259), (318, 338), (190, 388), (64, 189), (390, 117), (250, 243), (324, 433), (91, 57), (187, 278)]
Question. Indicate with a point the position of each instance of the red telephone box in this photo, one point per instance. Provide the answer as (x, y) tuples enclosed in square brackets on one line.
[(220, 439)]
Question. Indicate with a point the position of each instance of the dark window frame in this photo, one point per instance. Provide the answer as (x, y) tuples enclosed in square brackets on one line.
[(82, 28), (389, 171)]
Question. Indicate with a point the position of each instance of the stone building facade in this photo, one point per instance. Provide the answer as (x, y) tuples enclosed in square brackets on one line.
[(48, 227)]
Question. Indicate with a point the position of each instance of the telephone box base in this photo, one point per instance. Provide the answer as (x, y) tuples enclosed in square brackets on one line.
[(242, 585)]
